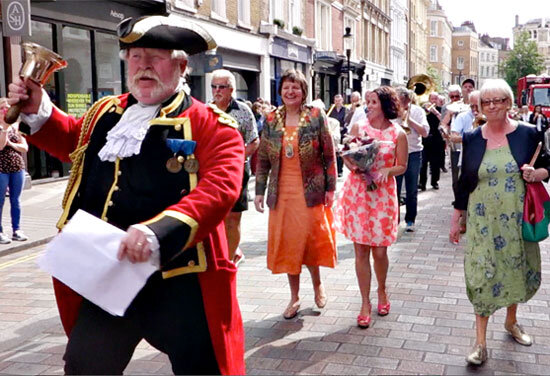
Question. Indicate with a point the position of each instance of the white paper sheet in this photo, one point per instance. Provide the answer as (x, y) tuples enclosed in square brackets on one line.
[(83, 256)]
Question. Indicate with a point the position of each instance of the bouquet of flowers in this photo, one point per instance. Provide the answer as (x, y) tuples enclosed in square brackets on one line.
[(361, 153)]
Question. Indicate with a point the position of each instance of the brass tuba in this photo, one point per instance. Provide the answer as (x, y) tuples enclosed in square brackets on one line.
[(422, 85)]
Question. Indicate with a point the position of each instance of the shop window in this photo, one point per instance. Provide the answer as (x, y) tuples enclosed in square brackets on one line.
[(39, 163), (78, 74), (107, 65), (242, 87), (42, 34)]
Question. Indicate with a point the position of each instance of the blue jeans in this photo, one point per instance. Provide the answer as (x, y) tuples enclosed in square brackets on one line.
[(411, 185), (15, 182)]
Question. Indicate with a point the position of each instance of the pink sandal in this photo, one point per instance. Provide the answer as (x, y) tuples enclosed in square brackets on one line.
[(363, 321), (383, 309)]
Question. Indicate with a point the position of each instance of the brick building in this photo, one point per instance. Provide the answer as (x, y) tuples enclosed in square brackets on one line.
[(465, 53)]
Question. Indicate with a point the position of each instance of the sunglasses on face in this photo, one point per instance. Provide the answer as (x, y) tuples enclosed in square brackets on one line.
[(495, 101), (220, 87), (454, 96)]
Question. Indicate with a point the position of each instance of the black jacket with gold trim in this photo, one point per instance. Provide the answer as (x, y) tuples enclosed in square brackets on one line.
[(183, 209)]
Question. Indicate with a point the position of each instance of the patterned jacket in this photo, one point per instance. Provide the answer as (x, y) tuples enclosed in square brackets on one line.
[(316, 153)]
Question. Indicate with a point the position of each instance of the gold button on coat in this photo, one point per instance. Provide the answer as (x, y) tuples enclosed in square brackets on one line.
[(191, 263)]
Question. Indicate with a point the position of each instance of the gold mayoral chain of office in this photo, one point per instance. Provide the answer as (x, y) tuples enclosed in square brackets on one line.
[(281, 116)]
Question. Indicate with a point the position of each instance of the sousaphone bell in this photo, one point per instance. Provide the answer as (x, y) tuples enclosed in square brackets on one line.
[(39, 65)]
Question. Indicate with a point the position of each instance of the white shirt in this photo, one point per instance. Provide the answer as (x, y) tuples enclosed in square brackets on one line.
[(414, 139), (359, 115)]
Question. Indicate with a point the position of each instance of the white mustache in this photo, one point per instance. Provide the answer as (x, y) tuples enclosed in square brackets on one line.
[(145, 74)]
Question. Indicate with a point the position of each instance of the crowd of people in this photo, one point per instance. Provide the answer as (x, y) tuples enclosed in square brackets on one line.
[(173, 173), (489, 151)]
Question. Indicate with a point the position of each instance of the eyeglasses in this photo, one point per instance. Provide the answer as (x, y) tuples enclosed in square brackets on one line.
[(495, 101), (220, 87), (454, 96)]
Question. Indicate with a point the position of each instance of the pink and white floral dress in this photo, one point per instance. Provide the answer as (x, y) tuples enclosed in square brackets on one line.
[(370, 217)]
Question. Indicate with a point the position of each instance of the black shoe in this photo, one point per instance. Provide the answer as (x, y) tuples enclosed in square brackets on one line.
[(443, 169), (422, 188), (435, 186)]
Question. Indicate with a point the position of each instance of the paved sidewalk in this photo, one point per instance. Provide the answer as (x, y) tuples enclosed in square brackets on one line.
[(429, 330), (41, 208)]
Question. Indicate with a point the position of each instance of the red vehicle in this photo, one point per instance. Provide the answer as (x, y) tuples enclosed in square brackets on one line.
[(534, 90)]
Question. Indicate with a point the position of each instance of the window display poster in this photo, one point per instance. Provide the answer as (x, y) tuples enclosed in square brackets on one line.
[(78, 104)]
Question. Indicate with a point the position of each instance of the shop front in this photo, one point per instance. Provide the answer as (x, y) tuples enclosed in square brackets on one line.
[(331, 76), (84, 33)]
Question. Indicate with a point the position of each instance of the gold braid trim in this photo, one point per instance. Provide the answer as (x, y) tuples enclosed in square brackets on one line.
[(77, 157)]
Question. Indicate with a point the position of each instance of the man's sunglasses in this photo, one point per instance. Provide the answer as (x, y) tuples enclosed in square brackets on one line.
[(221, 87)]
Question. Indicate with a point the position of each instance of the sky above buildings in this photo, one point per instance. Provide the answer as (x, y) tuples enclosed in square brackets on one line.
[(495, 17)]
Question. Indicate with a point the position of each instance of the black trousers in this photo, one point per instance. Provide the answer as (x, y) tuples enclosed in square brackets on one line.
[(455, 170), (169, 314), (432, 155)]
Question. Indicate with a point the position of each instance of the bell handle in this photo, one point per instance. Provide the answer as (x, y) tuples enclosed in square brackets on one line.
[(13, 113)]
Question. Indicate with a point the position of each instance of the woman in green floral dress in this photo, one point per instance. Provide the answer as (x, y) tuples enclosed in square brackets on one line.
[(501, 269)]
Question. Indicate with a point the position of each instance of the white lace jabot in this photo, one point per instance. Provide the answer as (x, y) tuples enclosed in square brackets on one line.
[(126, 137)]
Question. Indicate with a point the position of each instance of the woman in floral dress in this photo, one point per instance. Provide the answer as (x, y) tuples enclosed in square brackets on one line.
[(501, 269), (369, 218)]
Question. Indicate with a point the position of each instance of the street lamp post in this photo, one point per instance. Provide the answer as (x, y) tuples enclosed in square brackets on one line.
[(349, 89)]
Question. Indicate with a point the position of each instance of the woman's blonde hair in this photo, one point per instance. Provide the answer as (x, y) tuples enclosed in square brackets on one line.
[(496, 85)]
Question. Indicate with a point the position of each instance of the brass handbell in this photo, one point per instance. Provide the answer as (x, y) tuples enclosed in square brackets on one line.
[(39, 65)]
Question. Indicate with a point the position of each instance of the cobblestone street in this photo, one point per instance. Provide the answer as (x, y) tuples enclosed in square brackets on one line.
[(429, 330)]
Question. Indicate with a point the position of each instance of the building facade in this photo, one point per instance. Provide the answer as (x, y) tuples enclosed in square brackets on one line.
[(503, 47), (376, 28), (539, 31), (418, 36), (283, 23), (399, 41), (465, 53), (488, 62), (227, 21), (440, 40)]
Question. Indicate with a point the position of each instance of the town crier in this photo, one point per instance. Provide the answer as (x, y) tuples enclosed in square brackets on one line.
[(166, 169)]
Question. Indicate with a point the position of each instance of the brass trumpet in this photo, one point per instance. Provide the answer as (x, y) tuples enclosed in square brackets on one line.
[(479, 120)]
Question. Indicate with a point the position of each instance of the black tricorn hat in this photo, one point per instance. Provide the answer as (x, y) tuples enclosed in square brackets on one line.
[(169, 33)]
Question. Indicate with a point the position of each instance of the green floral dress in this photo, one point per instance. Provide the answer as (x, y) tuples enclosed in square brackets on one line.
[(500, 268)]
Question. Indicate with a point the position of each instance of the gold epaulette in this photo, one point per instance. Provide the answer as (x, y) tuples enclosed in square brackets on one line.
[(223, 118)]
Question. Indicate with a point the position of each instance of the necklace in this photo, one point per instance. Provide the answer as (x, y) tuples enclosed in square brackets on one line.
[(281, 118), (498, 140)]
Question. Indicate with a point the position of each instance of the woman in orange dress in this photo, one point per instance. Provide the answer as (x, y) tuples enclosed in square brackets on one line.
[(369, 218), (297, 154)]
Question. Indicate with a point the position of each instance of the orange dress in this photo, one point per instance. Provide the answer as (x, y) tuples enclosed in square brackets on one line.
[(298, 235)]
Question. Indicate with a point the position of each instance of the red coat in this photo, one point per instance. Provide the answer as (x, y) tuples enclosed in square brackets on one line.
[(220, 153)]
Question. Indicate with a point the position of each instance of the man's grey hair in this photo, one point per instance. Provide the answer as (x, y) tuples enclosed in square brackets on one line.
[(224, 73), (454, 88), (404, 93)]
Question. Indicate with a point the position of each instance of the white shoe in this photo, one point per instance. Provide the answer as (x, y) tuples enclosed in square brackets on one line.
[(4, 238), (19, 236)]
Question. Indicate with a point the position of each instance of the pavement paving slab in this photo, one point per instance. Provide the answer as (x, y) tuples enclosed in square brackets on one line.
[(429, 330)]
